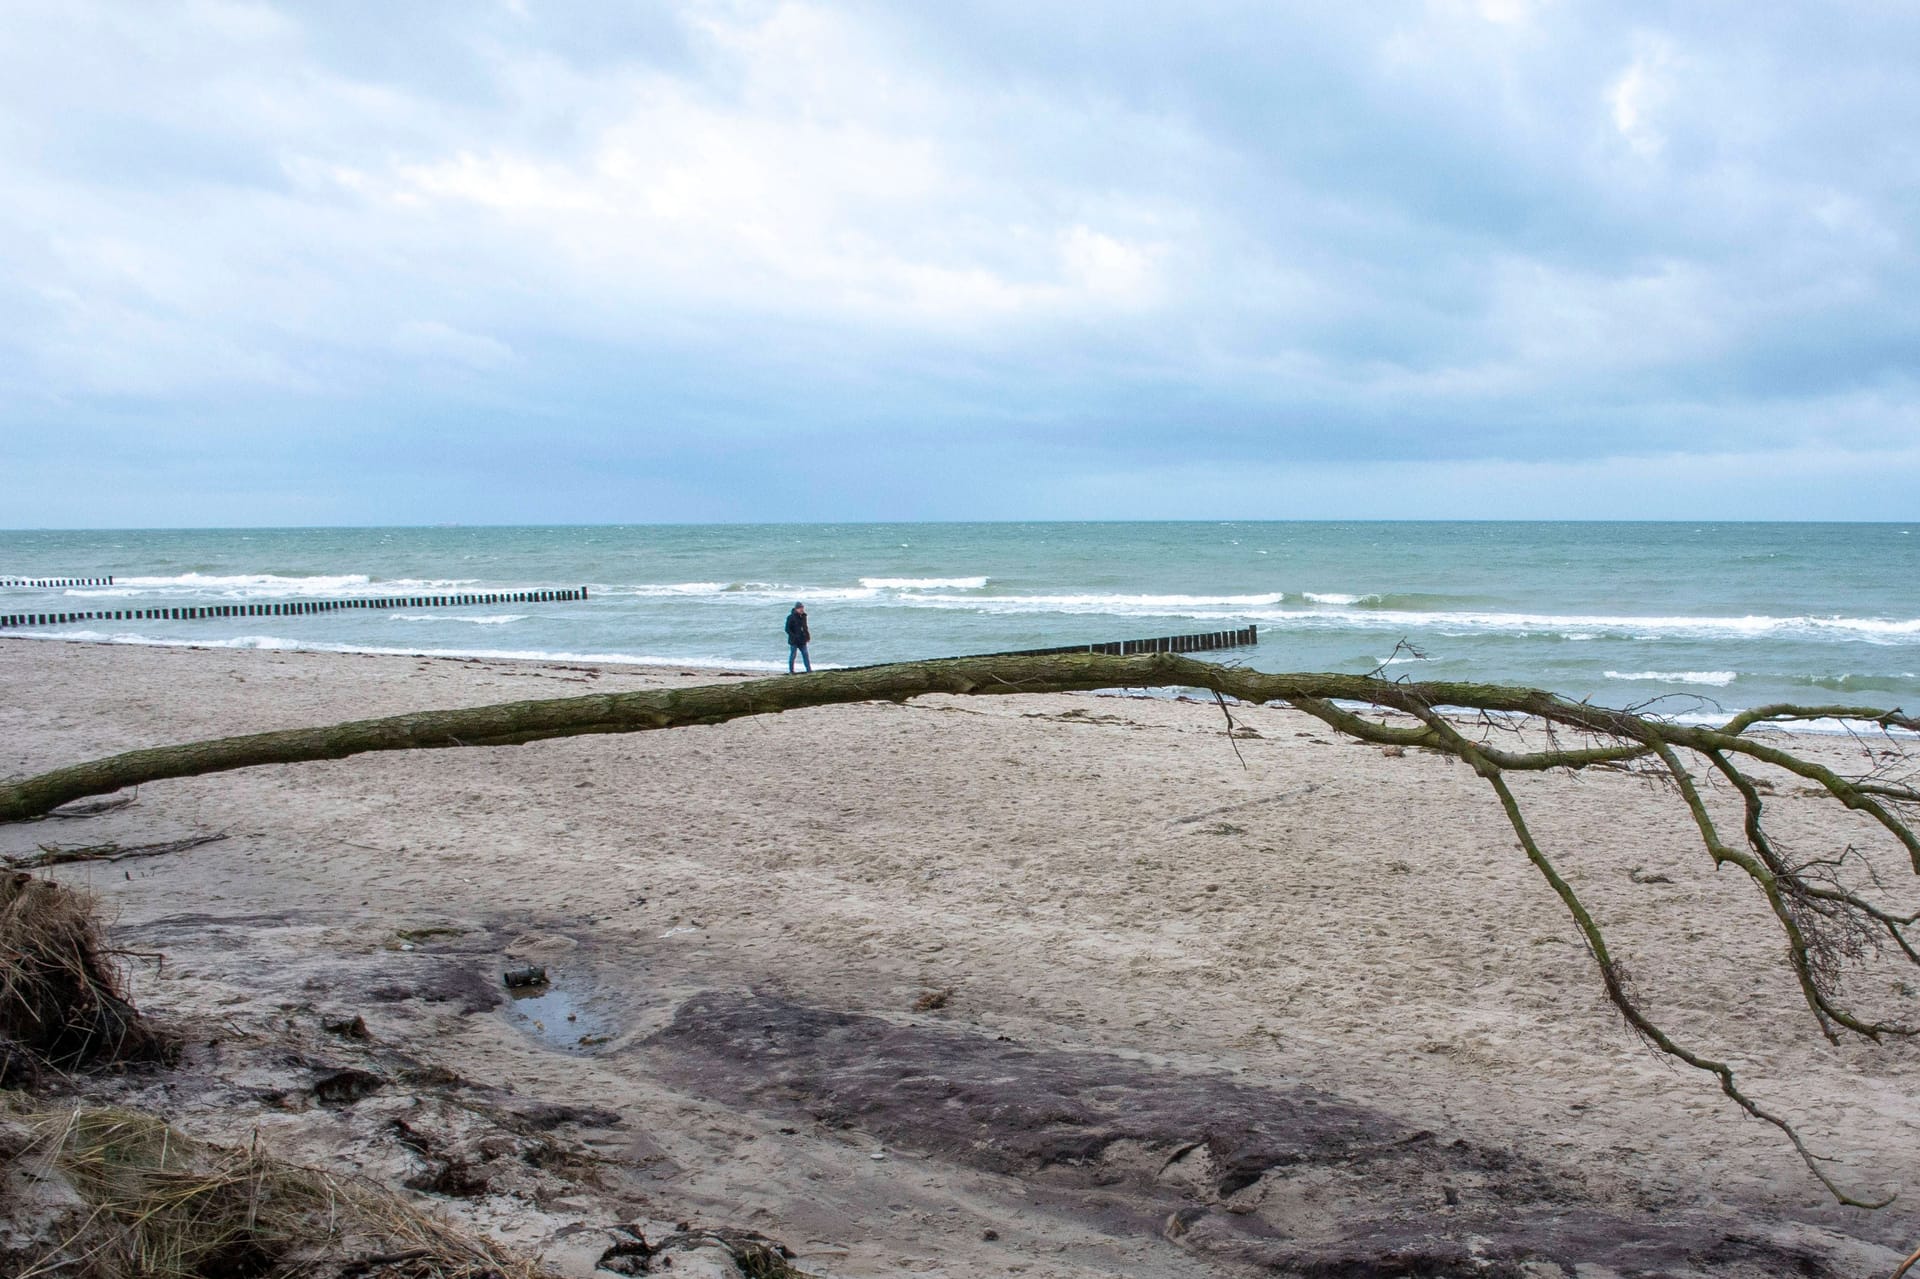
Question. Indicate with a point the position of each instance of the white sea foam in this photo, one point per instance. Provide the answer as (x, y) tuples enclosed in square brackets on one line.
[(1588, 625), (925, 583), (282, 643), (1581, 625), (1307, 610), (754, 594), (496, 619), (1272, 610), (925, 593), (1123, 605), (1279, 611), (210, 581), (669, 588), (264, 586), (274, 642), (1714, 679), (1322, 610)]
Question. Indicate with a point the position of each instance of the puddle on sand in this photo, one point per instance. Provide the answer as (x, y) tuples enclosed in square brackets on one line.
[(559, 1017)]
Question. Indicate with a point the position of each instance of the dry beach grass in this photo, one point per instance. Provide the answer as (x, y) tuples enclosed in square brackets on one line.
[(860, 978), (145, 1202)]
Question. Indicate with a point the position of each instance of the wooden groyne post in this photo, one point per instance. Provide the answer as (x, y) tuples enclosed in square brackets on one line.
[(45, 582), (1247, 637), (290, 608)]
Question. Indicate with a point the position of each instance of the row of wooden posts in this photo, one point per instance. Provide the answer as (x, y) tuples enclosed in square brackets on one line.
[(57, 581), (288, 608), (1246, 637)]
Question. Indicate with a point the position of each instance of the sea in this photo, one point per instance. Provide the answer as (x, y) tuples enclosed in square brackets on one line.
[(1695, 620)]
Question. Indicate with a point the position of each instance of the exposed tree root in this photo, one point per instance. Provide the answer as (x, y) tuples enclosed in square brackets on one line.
[(61, 1004)]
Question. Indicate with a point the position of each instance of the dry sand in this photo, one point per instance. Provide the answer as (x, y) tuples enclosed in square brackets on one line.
[(1049, 986)]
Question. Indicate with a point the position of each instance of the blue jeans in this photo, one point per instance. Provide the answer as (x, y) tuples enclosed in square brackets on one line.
[(800, 649)]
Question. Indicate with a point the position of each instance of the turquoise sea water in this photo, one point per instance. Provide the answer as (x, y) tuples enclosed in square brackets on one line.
[(1705, 616)]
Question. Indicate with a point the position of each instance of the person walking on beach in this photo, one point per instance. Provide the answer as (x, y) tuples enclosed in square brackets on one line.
[(798, 637)]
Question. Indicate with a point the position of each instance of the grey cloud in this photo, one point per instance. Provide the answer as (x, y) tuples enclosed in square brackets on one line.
[(1302, 236)]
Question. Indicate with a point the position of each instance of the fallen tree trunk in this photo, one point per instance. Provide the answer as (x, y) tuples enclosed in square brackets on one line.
[(514, 723), (1826, 918)]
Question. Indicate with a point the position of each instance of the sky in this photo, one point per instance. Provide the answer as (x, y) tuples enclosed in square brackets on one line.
[(504, 261)]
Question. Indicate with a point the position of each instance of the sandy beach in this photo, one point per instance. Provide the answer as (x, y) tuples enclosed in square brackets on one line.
[(1051, 986)]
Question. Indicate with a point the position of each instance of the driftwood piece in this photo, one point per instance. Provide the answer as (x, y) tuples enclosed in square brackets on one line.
[(91, 808), (55, 855)]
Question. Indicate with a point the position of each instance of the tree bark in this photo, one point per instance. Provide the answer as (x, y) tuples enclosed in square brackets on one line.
[(514, 723)]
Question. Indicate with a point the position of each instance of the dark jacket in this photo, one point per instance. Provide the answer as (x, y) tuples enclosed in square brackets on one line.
[(797, 633)]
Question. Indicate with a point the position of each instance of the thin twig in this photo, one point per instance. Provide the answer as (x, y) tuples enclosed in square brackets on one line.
[(55, 855), (1230, 727)]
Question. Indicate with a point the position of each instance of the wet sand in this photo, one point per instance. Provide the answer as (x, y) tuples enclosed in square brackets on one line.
[(1053, 985)]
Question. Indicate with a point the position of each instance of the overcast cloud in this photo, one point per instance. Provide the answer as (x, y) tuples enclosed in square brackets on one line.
[(521, 262)]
